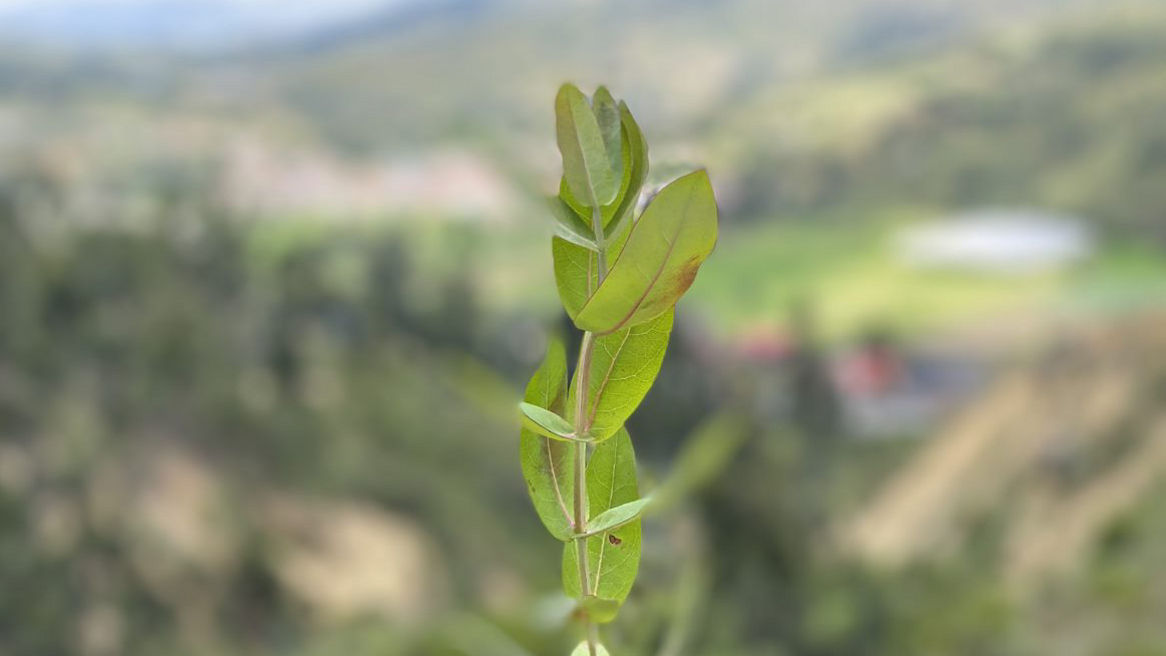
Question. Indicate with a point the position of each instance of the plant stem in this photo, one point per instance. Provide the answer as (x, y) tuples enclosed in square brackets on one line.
[(597, 228), (582, 428), (583, 381), (592, 637)]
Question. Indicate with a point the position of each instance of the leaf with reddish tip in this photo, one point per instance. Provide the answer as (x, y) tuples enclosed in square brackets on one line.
[(660, 259)]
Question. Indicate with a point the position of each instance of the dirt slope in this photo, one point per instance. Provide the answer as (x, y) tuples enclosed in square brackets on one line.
[(1057, 448)]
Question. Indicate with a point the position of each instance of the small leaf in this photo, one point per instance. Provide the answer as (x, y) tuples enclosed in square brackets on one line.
[(569, 226), (624, 365), (616, 517), (600, 611), (635, 173), (583, 650), (545, 422), (639, 145), (580, 207), (634, 164), (585, 162), (664, 250), (607, 212), (613, 556), (608, 118), (576, 274), (577, 271), (548, 466)]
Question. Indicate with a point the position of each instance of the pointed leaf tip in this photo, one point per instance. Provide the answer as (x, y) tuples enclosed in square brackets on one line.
[(608, 117), (569, 226), (616, 517), (659, 261), (545, 422), (586, 166)]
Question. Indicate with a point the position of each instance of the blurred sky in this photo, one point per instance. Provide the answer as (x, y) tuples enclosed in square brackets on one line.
[(176, 23)]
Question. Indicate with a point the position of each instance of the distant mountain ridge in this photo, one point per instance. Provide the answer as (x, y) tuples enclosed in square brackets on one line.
[(198, 24), (383, 23)]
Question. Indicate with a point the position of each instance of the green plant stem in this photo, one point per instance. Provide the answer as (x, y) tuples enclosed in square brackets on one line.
[(581, 429), (582, 383), (600, 240)]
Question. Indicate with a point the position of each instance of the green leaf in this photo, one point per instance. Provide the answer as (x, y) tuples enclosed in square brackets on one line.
[(570, 227), (616, 517), (613, 556), (546, 423), (664, 250), (635, 173), (612, 209), (634, 164), (577, 271), (548, 466), (583, 650), (586, 165), (576, 274), (581, 209), (608, 117), (624, 365)]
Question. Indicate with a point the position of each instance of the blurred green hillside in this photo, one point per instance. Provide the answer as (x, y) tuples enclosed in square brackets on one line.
[(264, 313), (818, 155)]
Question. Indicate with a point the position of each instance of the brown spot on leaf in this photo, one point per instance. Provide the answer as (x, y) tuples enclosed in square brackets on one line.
[(687, 274), (614, 540)]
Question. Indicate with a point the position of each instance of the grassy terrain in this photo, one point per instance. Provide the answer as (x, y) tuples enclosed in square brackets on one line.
[(849, 271), (846, 267)]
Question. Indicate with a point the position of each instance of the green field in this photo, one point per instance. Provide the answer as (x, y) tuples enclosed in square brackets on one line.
[(846, 267), (851, 276)]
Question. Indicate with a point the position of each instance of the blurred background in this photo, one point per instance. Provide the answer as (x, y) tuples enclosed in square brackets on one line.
[(272, 276)]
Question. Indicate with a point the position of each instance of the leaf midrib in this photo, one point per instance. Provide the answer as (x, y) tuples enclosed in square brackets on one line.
[(555, 481), (583, 153), (599, 391), (602, 541), (551, 459)]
